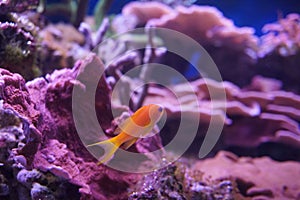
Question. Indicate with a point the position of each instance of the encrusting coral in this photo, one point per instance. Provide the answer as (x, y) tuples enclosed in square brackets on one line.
[(256, 178), (279, 51), (282, 37), (275, 112), (143, 12)]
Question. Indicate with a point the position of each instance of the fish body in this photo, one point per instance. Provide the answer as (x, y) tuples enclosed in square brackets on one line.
[(136, 126)]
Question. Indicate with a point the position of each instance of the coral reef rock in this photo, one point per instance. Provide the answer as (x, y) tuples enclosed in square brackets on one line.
[(61, 47), (258, 178), (7, 6), (41, 149), (62, 152), (17, 49), (177, 181)]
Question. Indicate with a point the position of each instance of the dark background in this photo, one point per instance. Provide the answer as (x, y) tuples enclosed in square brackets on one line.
[(253, 13)]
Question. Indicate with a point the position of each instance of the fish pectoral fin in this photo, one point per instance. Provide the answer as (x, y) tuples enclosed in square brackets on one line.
[(129, 143), (109, 148)]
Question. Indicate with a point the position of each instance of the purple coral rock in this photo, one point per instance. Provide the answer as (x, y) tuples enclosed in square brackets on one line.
[(160, 184), (61, 151), (16, 97), (41, 192), (27, 178)]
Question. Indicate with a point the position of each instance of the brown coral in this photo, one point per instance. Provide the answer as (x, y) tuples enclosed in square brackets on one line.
[(60, 47), (17, 48)]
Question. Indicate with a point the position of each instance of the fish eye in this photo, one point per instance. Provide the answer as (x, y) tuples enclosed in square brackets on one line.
[(160, 109)]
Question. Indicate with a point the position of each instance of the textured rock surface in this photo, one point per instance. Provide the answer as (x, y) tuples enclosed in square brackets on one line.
[(16, 96), (178, 182), (61, 47), (17, 48), (49, 143), (62, 152), (259, 178), (7, 6), (225, 176)]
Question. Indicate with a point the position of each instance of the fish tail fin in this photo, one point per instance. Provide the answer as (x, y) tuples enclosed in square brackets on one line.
[(109, 147)]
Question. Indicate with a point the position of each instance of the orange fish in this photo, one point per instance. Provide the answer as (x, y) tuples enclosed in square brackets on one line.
[(136, 126)]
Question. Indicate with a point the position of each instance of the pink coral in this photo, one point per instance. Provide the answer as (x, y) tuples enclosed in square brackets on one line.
[(203, 23), (258, 178), (274, 113), (282, 37), (279, 51), (146, 11), (232, 48)]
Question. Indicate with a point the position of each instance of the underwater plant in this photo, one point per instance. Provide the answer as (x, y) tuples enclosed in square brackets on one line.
[(101, 10)]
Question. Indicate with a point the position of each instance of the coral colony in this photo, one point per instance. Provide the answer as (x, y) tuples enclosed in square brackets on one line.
[(46, 45)]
